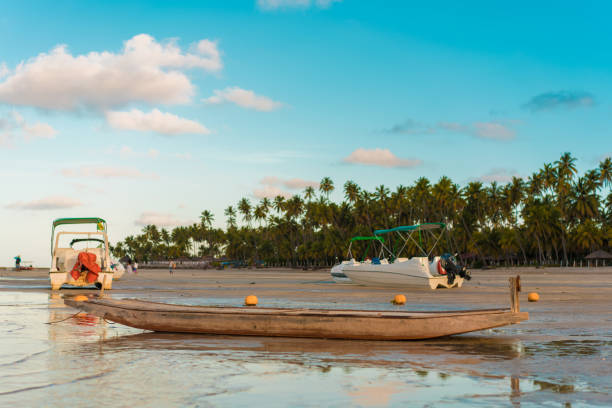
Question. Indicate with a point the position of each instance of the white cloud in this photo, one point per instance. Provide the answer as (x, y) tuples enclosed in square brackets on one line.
[(269, 191), (379, 157), (243, 98), (159, 219), (4, 71), (15, 125), (286, 4), (498, 175), (484, 130), (291, 184), (493, 130), (107, 172), (155, 121), (182, 156), (144, 71), (47, 203)]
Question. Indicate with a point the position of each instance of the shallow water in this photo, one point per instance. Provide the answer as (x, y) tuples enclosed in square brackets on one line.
[(82, 360)]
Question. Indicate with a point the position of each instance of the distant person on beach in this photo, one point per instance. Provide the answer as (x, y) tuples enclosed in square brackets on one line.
[(135, 267), (17, 262), (171, 266), (129, 267)]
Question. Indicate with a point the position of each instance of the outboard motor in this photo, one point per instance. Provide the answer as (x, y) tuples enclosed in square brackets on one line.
[(453, 269)]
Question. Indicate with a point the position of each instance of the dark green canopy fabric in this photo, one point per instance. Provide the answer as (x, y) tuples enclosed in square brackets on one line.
[(417, 227), (367, 239)]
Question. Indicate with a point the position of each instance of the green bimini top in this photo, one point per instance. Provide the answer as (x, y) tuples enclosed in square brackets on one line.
[(100, 225), (417, 227), (84, 220), (367, 239)]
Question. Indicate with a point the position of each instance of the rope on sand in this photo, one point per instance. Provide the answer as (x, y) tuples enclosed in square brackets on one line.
[(63, 320)]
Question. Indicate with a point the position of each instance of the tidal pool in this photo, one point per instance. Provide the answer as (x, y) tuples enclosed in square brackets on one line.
[(81, 360)]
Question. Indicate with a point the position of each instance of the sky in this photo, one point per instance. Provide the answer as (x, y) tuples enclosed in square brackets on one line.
[(150, 112)]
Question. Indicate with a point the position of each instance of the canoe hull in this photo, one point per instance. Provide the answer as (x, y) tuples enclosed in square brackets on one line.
[(313, 323)]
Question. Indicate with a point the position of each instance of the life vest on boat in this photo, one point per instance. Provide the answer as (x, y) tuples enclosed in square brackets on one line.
[(86, 262), (441, 270)]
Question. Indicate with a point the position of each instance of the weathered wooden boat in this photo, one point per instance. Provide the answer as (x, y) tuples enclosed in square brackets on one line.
[(316, 323)]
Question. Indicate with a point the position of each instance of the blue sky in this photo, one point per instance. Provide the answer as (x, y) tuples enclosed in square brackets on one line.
[(154, 111)]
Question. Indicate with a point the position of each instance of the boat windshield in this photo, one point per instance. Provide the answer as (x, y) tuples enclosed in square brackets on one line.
[(370, 240)]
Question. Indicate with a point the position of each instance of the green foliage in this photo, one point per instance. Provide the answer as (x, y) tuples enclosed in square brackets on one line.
[(552, 216)]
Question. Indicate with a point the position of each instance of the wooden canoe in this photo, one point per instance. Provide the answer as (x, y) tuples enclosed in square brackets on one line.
[(315, 323)]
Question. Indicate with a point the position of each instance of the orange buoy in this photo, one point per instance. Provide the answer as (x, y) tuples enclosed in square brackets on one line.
[(533, 297), (80, 298), (250, 300), (399, 300)]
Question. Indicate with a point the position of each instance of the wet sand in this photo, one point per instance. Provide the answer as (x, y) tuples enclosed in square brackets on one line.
[(560, 356)]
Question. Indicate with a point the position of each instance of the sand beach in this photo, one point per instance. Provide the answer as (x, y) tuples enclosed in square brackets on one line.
[(560, 355)]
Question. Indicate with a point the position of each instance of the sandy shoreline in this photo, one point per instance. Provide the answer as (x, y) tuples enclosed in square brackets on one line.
[(564, 292), (560, 354)]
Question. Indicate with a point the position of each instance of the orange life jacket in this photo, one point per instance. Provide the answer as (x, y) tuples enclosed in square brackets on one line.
[(86, 261)]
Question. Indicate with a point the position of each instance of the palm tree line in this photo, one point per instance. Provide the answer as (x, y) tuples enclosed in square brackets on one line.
[(554, 216)]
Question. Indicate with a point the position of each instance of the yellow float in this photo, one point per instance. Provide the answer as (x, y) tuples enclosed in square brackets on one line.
[(250, 300)]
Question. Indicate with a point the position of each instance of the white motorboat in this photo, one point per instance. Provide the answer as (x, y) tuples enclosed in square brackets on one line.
[(404, 272), (337, 271), (80, 267)]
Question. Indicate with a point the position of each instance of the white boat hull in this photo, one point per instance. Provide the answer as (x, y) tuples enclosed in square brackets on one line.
[(415, 272), (64, 278), (337, 272)]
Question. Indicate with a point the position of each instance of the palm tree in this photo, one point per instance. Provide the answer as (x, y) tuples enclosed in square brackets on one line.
[(206, 218), (309, 193), (278, 203), (326, 186), (244, 207), (230, 213), (351, 191), (605, 172)]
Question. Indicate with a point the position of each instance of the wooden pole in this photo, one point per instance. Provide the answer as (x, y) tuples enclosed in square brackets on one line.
[(515, 288)]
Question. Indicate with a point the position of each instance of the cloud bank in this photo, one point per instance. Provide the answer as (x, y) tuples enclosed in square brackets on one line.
[(244, 98), (270, 192), (107, 172), (292, 183), (272, 186), (159, 219), (268, 5), (163, 123), (145, 71), (495, 130), (560, 99), (379, 157), (14, 125), (47, 203), (498, 175)]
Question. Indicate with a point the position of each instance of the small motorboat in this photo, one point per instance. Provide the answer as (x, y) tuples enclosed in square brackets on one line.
[(88, 266), (313, 323), (337, 271), (396, 271)]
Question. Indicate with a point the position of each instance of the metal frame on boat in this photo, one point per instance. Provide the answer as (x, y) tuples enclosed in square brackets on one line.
[(64, 258), (337, 273), (396, 271)]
